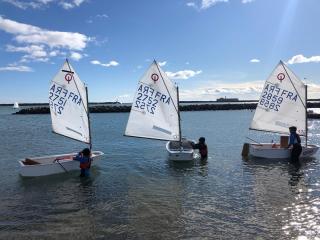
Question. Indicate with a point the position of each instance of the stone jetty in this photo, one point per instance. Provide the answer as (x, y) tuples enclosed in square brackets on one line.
[(183, 107)]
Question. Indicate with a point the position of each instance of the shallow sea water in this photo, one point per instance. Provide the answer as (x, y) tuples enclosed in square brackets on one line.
[(136, 193)]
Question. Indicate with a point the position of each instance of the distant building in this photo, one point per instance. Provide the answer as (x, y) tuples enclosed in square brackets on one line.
[(225, 99)]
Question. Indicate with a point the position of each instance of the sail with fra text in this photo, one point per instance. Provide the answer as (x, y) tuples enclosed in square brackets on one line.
[(154, 111), (282, 103), (68, 105)]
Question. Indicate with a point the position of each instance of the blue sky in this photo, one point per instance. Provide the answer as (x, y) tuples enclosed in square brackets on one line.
[(210, 48)]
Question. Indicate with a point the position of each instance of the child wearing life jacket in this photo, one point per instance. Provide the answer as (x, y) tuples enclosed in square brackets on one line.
[(295, 142), (202, 146), (84, 157)]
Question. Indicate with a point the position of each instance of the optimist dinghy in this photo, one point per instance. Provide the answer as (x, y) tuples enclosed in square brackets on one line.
[(155, 113), (53, 164), (282, 104), (68, 100)]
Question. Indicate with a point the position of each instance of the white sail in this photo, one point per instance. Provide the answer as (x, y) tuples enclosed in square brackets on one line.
[(154, 111), (68, 105), (16, 105), (282, 103)]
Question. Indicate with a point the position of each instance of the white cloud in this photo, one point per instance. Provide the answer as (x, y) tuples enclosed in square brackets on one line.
[(212, 90), (55, 53), (124, 98), (71, 4), (109, 64), (191, 4), (313, 90), (78, 2), (28, 4), (102, 16), (34, 52), (16, 68), (72, 41), (209, 3), (38, 4), (75, 56), (98, 16), (205, 4), (34, 35), (41, 44), (247, 1), (302, 59), (185, 74), (98, 41), (161, 64), (254, 60), (66, 5)]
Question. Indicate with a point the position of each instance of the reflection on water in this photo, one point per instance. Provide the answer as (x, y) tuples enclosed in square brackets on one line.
[(301, 217), (295, 205), (136, 193)]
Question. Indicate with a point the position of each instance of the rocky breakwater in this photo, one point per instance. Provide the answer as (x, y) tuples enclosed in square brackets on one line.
[(126, 108), (183, 107), (93, 109)]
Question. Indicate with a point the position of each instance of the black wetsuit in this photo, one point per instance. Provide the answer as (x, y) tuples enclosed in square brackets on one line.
[(295, 141), (203, 149)]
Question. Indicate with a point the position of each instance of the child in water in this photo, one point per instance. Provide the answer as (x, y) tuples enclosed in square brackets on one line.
[(202, 146), (84, 157)]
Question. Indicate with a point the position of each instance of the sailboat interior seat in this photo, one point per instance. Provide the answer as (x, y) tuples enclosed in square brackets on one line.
[(174, 145), (184, 144), (28, 161)]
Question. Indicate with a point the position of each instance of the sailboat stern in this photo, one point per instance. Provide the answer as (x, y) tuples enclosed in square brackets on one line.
[(180, 151)]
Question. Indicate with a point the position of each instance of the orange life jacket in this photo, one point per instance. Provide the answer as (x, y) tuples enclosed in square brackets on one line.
[(86, 164)]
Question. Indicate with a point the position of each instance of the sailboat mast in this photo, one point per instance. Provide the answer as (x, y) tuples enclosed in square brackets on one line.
[(179, 119), (88, 114), (306, 113)]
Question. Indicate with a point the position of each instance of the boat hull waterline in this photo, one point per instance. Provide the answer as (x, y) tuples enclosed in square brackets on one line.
[(272, 151), (52, 164)]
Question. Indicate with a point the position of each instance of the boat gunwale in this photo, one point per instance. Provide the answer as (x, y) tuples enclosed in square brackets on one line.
[(99, 153)]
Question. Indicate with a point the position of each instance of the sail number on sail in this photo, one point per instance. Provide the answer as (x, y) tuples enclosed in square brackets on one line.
[(59, 96), (148, 99), (273, 96)]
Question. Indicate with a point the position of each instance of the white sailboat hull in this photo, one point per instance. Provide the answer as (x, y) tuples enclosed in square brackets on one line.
[(272, 151), (177, 152), (48, 165)]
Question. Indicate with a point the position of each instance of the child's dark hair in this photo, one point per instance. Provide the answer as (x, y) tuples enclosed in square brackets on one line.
[(86, 152)]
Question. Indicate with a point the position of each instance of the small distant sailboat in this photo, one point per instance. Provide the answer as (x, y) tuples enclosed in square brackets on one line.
[(16, 105), (68, 100), (155, 113), (282, 104)]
